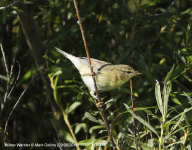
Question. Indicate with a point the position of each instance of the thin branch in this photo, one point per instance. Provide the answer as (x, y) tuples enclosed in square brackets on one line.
[(56, 133), (13, 4), (2, 103), (32, 5), (155, 15), (16, 52), (86, 48), (139, 139), (133, 117), (6, 67), (13, 64), (8, 76), (15, 81), (18, 102), (92, 73)]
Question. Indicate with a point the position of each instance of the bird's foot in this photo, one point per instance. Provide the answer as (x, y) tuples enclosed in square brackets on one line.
[(100, 104)]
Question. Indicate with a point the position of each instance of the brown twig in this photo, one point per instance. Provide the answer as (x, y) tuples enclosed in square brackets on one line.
[(18, 102), (8, 77), (132, 108), (139, 139), (92, 73), (155, 15), (13, 4), (13, 64), (15, 81)]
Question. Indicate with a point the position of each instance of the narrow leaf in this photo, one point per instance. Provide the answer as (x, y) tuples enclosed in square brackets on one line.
[(190, 99), (178, 122), (80, 126), (73, 107), (96, 128), (64, 134), (166, 92), (90, 117), (175, 99), (89, 142), (168, 75), (141, 120), (158, 97)]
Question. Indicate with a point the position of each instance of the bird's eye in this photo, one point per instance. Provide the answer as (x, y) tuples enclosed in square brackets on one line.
[(128, 71)]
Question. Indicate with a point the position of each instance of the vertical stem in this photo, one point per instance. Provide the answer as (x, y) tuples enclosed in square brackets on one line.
[(92, 73), (133, 112), (161, 138), (86, 48), (65, 117)]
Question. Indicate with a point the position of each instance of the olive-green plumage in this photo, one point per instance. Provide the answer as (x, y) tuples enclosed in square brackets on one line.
[(107, 75)]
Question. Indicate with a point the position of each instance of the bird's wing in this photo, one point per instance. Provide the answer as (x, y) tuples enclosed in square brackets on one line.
[(98, 64)]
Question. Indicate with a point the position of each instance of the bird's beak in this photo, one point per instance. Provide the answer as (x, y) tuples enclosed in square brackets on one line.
[(137, 73)]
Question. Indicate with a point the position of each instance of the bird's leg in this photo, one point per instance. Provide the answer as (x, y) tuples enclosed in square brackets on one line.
[(88, 74), (100, 104)]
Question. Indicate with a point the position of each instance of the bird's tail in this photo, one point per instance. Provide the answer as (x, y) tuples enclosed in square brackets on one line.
[(62, 52), (74, 60)]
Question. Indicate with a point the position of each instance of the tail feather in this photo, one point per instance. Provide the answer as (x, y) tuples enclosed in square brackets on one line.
[(62, 52), (75, 60)]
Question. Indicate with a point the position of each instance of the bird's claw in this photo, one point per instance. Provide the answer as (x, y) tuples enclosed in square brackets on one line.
[(100, 104)]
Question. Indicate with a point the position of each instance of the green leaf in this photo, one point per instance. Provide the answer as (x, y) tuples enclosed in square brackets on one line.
[(66, 86), (96, 142), (90, 117), (187, 11), (190, 99), (73, 107), (175, 99), (180, 56), (141, 120), (17, 9), (168, 75), (145, 147), (65, 135), (57, 73), (55, 89), (80, 126), (28, 74), (110, 102), (3, 77), (166, 91), (176, 73), (68, 81), (80, 95), (187, 53), (96, 128), (178, 122), (158, 98), (150, 143)]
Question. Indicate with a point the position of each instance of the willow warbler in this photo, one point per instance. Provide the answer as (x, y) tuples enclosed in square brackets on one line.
[(107, 75)]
